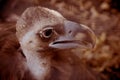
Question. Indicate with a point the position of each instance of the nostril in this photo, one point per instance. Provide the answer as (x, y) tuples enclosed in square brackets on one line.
[(70, 31)]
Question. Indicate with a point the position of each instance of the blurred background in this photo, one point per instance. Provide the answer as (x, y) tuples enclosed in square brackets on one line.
[(102, 16)]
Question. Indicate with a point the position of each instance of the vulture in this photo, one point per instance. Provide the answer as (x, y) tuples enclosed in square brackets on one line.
[(41, 47)]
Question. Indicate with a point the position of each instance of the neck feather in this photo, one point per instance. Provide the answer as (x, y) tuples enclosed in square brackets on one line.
[(38, 66)]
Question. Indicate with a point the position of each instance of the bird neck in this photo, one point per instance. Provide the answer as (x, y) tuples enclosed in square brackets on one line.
[(42, 65), (38, 66)]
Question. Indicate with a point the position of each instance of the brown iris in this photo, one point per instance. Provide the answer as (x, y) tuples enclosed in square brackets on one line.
[(47, 32)]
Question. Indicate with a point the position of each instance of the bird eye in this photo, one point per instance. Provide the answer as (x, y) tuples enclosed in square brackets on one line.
[(47, 33)]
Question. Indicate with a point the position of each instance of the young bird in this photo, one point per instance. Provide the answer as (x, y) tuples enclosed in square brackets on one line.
[(42, 48)]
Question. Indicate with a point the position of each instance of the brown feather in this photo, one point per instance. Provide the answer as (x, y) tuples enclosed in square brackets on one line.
[(11, 60)]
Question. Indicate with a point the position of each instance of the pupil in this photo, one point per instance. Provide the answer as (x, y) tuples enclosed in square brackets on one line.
[(48, 32)]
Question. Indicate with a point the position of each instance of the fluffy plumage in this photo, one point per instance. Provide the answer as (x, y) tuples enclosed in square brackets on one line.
[(42, 49)]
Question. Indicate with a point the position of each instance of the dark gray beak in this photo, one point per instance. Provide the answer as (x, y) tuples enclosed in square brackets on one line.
[(76, 35)]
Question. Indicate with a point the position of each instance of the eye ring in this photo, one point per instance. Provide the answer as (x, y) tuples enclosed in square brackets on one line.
[(47, 32)]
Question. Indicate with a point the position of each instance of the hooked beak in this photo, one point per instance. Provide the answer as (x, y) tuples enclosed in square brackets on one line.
[(76, 35)]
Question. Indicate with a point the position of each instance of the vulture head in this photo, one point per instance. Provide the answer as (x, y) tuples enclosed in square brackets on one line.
[(46, 41), (41, 29), (47, 38)]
